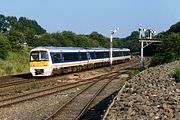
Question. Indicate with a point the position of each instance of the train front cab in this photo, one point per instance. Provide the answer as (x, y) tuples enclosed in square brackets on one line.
[(40, 63)]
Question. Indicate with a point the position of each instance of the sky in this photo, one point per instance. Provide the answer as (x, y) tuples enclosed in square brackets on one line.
[(86, 16)]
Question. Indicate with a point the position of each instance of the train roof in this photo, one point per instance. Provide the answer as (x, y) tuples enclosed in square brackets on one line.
[(59, 49), (76, 49), (121, 49)]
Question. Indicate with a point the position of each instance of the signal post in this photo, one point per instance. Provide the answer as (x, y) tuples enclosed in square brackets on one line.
[(146, 40)]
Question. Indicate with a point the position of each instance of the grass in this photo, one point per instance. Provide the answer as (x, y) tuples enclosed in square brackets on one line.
[(177, 74), (15, 63), (133, 73), (34, 86), (130, 75)]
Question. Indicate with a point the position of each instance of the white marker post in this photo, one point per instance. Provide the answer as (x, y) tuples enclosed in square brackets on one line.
[(111, 46)]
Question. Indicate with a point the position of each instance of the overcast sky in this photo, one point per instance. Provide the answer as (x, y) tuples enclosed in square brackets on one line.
[(86, 16)]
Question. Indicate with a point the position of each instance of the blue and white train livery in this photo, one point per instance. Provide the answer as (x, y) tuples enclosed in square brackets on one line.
[(47, 61)]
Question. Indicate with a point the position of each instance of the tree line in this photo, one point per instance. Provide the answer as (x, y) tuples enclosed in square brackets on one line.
[(15, 33)]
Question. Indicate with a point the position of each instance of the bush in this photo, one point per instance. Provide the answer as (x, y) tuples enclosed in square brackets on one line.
[(177, 74), (4, 47), (15, 63), (9, 70), (133, 73), (168, 50)]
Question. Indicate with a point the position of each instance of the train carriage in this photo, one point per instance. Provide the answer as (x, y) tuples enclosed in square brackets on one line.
[(46, 61)]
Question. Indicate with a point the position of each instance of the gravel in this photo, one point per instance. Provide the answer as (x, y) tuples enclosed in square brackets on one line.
[(151, 95), (36, 109)]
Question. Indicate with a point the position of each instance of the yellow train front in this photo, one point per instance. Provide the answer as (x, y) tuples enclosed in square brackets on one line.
[(40, 62)]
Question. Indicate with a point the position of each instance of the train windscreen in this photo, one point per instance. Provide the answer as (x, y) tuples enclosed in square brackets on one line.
[(39, 56)]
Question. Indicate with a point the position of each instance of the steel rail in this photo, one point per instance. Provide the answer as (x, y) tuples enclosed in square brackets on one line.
[(85, 109), (98, 77), (31, 98), (39, 91), (8, 84), (45, 94), (61, 108), (51, 88), (54, 114)]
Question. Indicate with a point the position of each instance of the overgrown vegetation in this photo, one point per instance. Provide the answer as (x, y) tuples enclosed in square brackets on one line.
[(35, 85), (168, 50), (177, 74), (133, 73), (4, 47), (16, 62)]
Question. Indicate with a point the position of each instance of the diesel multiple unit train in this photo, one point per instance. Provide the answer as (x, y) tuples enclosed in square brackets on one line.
[(47, 61)]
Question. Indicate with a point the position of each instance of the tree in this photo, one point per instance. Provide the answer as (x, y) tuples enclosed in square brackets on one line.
[(25, 25), (84, 41), (69, 38), (27, 30), (103, 42), (168, 50), (16, 39), (6, 23), (2, 23), (4, 47), (45, 40), (174, 28), (131, 42)]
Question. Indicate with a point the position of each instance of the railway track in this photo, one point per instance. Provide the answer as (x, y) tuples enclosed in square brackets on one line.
[(12, 78), (16, 80), (38, 94), (14, 85), (67, 111), (49, 91), (108, 77), (86, 96)]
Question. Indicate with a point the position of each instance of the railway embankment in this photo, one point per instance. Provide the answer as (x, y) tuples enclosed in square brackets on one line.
[(151, 95)]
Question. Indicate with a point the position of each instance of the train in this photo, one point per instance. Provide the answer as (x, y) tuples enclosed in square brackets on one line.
[(48, 61)]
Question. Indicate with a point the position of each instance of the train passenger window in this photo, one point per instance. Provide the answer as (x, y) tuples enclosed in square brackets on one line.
[(99, 55), (106, 54), (71, 57), (120, 53), (83, 56), (115, 54), (126, 53), (92, 55), (56, 58)]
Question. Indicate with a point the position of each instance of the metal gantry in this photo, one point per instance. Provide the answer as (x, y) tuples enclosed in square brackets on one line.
[(146, 40)]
